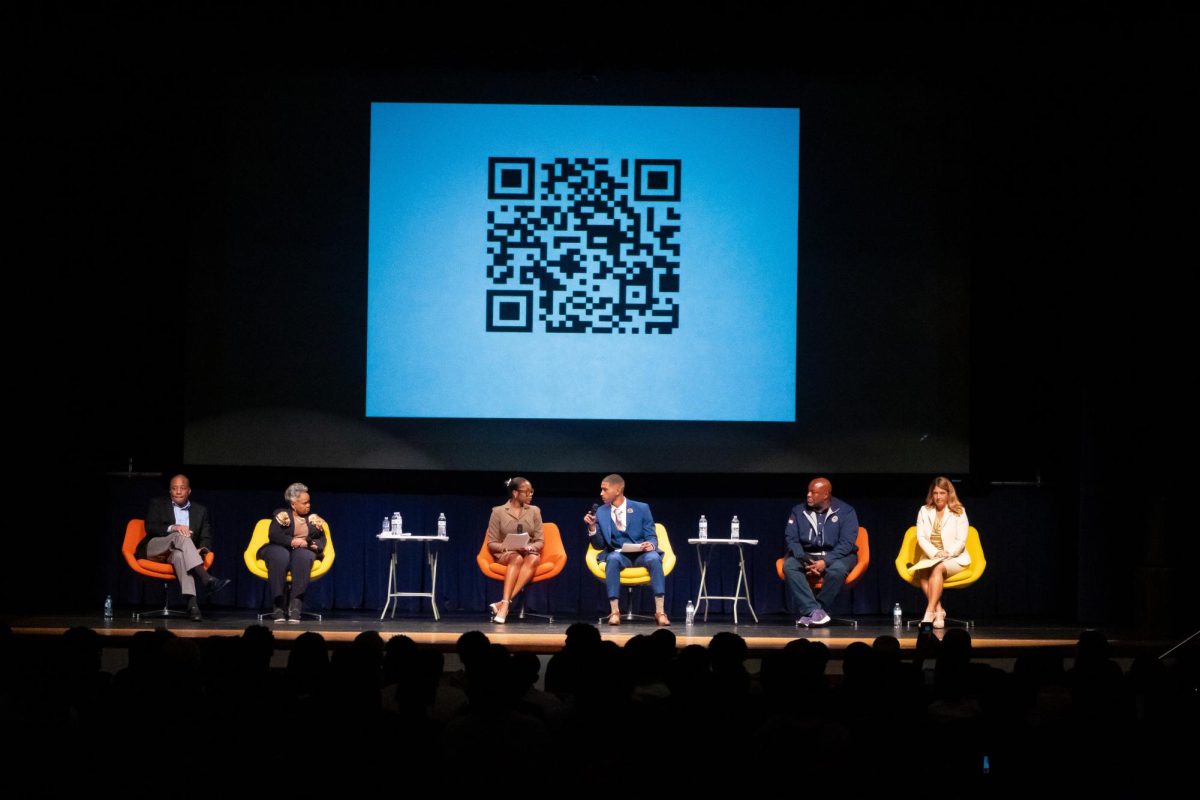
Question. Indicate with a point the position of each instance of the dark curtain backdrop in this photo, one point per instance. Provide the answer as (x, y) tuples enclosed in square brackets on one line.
[(1024, 577)]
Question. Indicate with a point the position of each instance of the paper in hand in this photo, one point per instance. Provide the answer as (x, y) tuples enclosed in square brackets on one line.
[(516, 541)]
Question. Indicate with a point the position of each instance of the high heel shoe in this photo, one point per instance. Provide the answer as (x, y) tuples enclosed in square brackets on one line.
[(498, 617), (939, 619), (927, 618)]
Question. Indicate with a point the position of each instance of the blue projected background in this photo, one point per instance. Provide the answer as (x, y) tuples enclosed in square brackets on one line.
[(582, 262)]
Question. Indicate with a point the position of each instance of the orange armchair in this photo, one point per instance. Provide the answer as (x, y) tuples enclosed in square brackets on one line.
[(135, 531), (864, 559), (554, 558)]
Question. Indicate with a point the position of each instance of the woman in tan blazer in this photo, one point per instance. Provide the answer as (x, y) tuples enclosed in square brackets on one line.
[(518, 515)]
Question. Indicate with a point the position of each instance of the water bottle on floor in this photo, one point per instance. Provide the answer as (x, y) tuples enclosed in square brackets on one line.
[(897, 617), (691, 613), (108, 609)]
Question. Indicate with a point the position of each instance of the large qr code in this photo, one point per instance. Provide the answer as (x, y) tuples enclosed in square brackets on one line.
[(578, 246)]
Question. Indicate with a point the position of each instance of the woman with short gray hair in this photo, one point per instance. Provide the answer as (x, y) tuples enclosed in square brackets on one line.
[(296, 539)]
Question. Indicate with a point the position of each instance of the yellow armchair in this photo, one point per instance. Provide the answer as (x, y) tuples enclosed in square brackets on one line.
[(635, 576), (258, 567), (910, 554)]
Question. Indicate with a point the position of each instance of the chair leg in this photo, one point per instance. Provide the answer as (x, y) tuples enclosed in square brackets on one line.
[(632, 616), (853, 623), (266, 601), (548, 616), (164, 613), (966, 623), (287, 601), (628, 615)]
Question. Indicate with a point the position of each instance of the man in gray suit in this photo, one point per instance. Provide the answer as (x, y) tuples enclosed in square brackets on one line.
[(178, 532)]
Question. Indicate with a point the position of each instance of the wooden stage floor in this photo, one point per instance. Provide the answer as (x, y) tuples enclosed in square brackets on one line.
[(991, 639)]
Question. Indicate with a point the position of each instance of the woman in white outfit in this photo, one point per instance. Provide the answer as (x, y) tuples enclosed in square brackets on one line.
[(942, 535)]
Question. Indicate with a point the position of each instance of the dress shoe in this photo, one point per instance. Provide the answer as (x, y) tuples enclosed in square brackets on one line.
[(216, 585)]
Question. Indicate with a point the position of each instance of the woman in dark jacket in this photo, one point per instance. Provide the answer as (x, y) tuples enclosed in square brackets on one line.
[(295, 540)]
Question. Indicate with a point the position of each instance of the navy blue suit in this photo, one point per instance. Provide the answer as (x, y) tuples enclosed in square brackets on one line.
[(639, 527)]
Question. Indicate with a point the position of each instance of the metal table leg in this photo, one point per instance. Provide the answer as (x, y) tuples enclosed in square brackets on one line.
[(703, 593), (743, 578), (431, 556)]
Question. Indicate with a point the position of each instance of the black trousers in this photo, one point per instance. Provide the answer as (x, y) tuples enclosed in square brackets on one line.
[(281, 560)]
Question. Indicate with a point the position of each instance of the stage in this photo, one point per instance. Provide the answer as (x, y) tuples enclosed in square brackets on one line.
[(990, 640)]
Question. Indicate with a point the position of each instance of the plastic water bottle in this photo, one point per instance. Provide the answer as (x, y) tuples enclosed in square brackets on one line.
[(442, 525), (735, 528), (397, 524), (703, 528), (387, 526), (690, 616), (108, 609), (897, 617)]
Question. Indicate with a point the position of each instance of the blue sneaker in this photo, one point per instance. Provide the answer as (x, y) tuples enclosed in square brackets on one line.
[(805, 621), (818, 617)]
